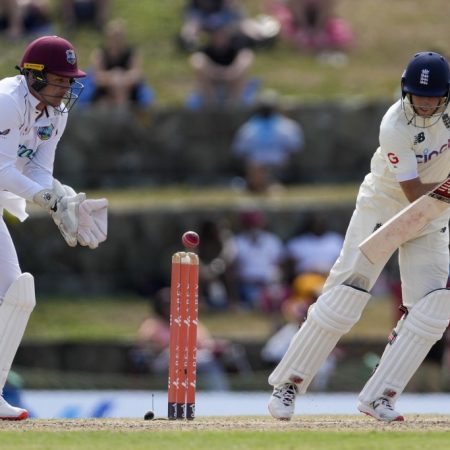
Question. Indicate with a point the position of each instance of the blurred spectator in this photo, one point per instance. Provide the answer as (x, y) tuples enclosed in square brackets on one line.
[(215, 357), (152, 351), (216, 253), (201, 16), (314, 248), (306, 288), (313, 26), (266, 145), (80, 12), (256, 267), (221, 68), (116, 79), (30, 18)]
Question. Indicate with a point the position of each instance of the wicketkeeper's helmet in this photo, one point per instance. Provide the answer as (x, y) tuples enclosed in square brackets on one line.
[(55, 55)]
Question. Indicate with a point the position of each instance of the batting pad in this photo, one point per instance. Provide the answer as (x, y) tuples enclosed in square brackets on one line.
[(333, 315), (15, 310), (423, 326)]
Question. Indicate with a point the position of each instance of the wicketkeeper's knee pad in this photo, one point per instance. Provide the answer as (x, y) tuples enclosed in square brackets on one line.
[(15, 310), (333, 315), (423, 326)]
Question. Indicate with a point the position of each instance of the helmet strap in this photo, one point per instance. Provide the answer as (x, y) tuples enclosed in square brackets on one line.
[(39, 80)]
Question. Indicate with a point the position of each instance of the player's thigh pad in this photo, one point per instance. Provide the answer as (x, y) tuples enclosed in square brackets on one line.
[(333, 315), (423, 326), (15, 310)]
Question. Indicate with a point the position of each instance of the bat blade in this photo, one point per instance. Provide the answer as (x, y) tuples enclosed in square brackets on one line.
[(406, 224)]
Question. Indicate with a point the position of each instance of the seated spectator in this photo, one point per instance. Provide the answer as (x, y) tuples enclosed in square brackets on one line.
[(116, 73), (25, 18), (215, 357), (221, 68), (200, 16), (314, 248), (266, 145), (256, 267), (216, 253), (312, 25), (306, 288), (84, 12), (152, 350)]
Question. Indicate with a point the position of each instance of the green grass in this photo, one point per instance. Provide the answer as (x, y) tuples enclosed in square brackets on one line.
[(387, 34), (227, 440), (84, 319)]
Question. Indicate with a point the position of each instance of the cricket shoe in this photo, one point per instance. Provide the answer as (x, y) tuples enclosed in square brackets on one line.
[(282, 401), (381, 409), (8, 412)]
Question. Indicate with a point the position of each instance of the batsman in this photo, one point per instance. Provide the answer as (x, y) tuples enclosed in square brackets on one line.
[(33, 115), (412, 158)]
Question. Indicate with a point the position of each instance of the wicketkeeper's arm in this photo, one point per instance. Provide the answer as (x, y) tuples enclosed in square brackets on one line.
[(78, 219)]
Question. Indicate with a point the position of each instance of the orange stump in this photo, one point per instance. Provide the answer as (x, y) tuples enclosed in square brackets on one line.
[(183, 336)]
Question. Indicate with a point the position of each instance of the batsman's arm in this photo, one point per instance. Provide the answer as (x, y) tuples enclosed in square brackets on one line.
[(407, 224)]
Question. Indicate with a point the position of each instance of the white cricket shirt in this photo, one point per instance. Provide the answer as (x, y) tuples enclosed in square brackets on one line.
[(407, 151), (28, 140)]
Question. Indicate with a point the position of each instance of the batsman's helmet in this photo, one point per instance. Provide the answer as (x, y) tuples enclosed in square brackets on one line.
[(426, 75), (55, 55)]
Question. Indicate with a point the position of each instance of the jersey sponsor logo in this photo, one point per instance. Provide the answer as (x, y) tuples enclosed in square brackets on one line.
[(428, 154), (5, 132), (25, 152), (393, 158), (45, 133)]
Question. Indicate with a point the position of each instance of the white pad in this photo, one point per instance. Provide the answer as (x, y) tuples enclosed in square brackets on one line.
[(333, 315), (93, 222), (15, 310), (423, 326)]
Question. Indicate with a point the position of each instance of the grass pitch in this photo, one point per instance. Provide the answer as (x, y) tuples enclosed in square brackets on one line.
[(308, 432)]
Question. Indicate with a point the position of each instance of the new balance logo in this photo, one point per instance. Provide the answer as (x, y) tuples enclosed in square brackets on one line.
[(419, 138)]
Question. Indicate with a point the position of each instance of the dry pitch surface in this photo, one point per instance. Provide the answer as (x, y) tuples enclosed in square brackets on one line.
[(346, 423)]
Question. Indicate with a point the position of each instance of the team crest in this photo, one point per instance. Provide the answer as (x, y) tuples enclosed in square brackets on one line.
[(71, 57), (45, 133)]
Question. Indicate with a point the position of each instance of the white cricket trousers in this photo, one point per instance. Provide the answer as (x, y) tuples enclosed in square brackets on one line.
[(9, 263), (423, 261)]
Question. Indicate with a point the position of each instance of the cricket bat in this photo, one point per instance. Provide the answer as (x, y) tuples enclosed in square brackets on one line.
[(406, 224)]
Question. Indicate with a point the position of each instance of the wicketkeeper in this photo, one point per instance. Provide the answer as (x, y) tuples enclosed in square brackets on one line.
[(33, 116), (412, 158)]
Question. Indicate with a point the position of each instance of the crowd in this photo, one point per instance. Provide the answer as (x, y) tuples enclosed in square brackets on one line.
[(217, 38), (245, 267)]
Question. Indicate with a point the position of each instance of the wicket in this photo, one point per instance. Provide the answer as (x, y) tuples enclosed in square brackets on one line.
[(183, 336)]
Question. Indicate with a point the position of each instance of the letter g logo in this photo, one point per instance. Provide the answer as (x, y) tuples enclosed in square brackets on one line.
[(393, 158)]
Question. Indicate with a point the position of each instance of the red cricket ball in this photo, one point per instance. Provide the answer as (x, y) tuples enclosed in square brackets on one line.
[(190, 239)]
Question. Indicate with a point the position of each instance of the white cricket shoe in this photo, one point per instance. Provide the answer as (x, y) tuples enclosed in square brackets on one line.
[(8, 412), (282, 401), (381, 409)]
